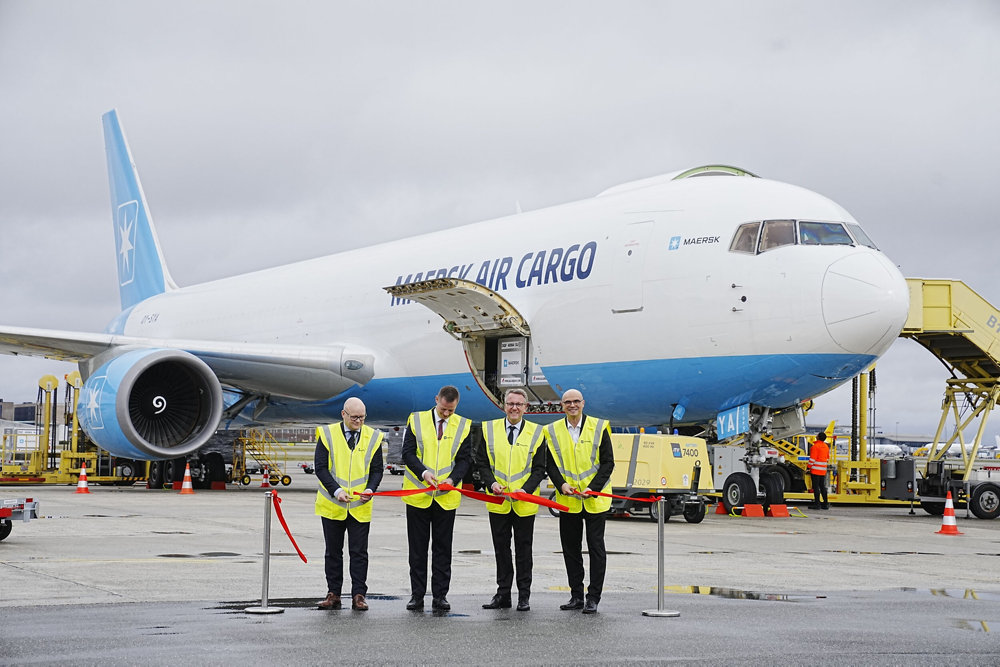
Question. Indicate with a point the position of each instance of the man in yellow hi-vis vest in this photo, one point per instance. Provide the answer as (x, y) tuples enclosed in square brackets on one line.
[(348, 461), (511, 457), (435, 451), (581, 457)]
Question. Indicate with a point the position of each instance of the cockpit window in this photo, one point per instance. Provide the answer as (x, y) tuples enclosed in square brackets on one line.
[(746, 238), (823, 233), (860, 236), (777, 233)]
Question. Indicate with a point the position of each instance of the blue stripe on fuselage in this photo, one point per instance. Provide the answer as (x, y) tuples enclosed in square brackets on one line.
[(630, 393)]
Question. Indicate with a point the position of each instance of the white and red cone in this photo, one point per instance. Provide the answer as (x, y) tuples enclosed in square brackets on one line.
[(81, 484), (948, 525)]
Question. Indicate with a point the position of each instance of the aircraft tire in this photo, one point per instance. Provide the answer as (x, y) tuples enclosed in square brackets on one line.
[(773, 485), (738, 490), (216, 467), (156, 476), (986, 501)]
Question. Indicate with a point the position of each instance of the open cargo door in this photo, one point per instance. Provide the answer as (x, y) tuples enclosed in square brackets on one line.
[(496, 338)]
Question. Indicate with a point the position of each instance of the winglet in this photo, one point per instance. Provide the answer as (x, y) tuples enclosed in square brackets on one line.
[(142, 272)]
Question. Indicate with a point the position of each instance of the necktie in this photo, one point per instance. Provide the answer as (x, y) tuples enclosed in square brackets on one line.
[(510, 435), (352, 439), (440, 428)]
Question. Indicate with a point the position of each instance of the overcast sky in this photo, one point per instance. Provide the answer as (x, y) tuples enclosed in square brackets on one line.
[(268, 132)]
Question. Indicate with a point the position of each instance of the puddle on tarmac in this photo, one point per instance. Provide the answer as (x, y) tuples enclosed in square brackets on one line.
[(297, 603), (738, 594), (974, 626), (882, 553)]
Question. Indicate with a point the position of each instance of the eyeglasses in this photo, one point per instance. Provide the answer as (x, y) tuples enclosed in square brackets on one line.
[(515, 405), (572, 401), (354, 418)]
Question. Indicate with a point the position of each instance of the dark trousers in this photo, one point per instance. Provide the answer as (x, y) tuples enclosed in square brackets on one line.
[(357, 548), (423, 525), (571, 535), (819, 488), (523, 529)]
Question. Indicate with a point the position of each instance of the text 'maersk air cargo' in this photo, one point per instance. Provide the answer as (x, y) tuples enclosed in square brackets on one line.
[(666, 301)]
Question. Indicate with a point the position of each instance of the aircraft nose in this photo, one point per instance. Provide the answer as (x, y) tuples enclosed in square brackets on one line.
[(865, 302)]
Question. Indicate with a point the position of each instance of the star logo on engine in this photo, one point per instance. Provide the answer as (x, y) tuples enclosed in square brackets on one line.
[(91, 401)]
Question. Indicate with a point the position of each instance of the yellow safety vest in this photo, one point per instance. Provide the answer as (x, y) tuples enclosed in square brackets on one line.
[(350, 470), (579, 463), (511, 464), (438, 456)]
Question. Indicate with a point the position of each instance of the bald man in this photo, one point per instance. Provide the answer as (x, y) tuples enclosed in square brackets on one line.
[(581, 458), (348, 465)]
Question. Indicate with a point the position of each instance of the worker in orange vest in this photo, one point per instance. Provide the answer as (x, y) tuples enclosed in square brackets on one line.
[(819, 457)]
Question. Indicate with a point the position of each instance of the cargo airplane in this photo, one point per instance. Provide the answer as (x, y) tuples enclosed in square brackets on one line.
[(665, 300)]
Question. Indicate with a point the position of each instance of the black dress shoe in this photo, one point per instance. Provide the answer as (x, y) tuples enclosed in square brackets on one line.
[(522, 604), (498, 602), (332, 601), (416, 602), (441, 604), (573, 604), (590, 607)]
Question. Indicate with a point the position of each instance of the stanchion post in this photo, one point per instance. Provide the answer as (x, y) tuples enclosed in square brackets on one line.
[(660, 611), (263, 608)]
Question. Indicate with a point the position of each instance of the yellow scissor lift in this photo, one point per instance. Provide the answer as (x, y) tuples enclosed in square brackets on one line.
[(962, 329), (260, 446)]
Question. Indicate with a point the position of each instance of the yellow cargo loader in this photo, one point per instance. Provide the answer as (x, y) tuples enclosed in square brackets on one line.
[(648, 465)]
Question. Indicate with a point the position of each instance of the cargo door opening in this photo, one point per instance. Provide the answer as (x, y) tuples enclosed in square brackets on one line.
[(496, 338)]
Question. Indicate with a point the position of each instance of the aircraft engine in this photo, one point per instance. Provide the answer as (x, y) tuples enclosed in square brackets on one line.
[(151, 404)]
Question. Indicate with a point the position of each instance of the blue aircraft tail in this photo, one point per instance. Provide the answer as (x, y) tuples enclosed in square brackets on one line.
[(142, 273)]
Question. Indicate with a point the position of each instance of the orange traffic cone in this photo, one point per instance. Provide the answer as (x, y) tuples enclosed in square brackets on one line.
[(186, 488), (948, 525), (81, 484), (266, 483)]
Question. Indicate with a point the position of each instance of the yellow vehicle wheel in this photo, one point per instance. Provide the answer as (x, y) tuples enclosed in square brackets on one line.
[(285, 480)]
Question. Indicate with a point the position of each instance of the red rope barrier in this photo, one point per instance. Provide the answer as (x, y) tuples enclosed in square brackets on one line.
[(281, 518)]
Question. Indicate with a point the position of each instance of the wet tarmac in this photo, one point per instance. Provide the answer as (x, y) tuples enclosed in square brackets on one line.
[(130, 576)]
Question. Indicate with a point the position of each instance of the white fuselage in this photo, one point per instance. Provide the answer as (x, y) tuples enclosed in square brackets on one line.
[(633, 297)]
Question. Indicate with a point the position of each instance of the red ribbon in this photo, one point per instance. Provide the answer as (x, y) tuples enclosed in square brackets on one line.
[(590, 492), (476, 495), (538, 500), (486, 498), (281, 518), (398, 493)]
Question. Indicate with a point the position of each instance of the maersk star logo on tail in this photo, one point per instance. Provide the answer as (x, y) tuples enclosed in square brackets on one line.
[(125, 228)]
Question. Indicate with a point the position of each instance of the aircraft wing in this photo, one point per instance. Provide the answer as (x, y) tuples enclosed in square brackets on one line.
[(294, 371), (53, 344)]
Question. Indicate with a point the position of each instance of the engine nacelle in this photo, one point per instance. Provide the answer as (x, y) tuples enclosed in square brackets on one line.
[(151, 404)]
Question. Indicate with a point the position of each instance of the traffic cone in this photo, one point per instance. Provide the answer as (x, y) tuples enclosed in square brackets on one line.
[(81, 484), (266, 482), (948, 525), (186, 488)]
